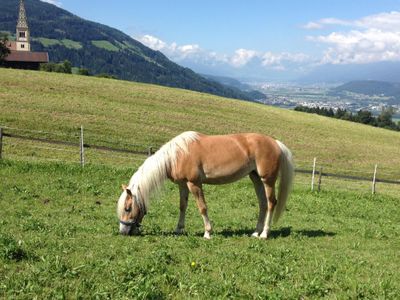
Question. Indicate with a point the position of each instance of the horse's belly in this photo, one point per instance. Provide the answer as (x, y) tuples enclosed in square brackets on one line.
[(226, 174)]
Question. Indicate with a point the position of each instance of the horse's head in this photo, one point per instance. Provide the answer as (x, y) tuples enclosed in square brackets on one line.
[(130, 211)]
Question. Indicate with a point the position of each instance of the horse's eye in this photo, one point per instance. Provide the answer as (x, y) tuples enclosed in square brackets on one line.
[(128, 209)]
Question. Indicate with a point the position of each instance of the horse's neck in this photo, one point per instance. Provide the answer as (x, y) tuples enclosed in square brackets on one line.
[(150, 177)]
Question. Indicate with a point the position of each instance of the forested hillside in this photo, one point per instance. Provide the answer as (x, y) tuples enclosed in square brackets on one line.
[(103, 49)]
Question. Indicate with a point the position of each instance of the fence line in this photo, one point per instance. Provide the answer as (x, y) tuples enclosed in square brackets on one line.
[(34, 131), (356, 178), (50, 148), (85, 145), (149, 151)]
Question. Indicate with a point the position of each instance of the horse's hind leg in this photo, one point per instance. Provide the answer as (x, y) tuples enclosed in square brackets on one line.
[(262, 201), (183, 194), (197, 192), (270, 194)]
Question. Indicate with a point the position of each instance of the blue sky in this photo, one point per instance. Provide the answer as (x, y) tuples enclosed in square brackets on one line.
[(255, 37)]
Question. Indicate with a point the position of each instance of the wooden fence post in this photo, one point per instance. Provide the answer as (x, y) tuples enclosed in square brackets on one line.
[(150, 151), (1, 142), (82, 148), (319, 180), (313, 174), (374, 181)]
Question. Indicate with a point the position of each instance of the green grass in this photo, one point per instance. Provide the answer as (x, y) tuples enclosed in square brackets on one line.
[(120, 113), (65, 42), (59, 239), (105, 45), (58, 226)]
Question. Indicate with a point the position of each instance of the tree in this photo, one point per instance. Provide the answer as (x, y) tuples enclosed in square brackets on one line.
[(84, 72), (64, 67), (340, 113), (365, 117), (385, 118), (4, 51)]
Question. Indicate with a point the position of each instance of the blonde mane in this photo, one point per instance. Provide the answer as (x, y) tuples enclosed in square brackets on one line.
[(151, 175)]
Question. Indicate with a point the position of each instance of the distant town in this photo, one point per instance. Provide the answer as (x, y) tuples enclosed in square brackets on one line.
[(289, 95)]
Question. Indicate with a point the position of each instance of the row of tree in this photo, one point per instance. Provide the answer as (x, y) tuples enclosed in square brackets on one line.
[(383, 120), (66, 67), (4, 51)]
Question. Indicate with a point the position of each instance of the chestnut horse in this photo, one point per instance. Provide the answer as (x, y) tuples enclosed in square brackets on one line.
[(192, 159)]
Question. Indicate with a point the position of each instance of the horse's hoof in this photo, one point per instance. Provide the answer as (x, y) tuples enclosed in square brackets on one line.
[(264, 235), (179, 231), (207, 236), (255, 234)]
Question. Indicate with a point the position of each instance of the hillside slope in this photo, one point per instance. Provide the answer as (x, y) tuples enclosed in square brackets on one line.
[(103, 49), (371, 88), (116, 112)]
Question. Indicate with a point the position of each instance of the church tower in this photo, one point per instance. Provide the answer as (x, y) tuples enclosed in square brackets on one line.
[(23, 36), (21, 56)]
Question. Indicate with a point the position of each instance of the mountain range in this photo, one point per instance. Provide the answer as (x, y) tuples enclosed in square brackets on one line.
[(370, 88), (330, 73), (102, 49)]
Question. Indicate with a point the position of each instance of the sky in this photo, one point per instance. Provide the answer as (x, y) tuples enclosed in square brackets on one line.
[(255, 38)]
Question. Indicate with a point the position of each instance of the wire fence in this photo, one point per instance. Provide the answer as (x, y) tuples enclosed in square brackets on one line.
[(35, 145)]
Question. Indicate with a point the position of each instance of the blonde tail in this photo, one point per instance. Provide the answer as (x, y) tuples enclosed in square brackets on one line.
[(286, 180)]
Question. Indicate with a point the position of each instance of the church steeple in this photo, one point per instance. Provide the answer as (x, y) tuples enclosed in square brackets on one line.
[(23, 38)]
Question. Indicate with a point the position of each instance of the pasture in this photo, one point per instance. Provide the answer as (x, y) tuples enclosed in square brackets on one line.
[(58, 226), (59, 239), (117, 114)]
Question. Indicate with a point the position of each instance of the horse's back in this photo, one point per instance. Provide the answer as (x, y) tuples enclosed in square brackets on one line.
[(219, 159)]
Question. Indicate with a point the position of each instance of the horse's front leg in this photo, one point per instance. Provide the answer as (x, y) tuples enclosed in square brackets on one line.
[(183, 194), (197, 191)]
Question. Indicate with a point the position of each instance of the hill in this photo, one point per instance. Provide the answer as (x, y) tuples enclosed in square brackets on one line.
[(118, 112), (59, 232), (103, 49), (370, 88)]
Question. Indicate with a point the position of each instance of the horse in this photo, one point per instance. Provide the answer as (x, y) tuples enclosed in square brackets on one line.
[(192, 159)]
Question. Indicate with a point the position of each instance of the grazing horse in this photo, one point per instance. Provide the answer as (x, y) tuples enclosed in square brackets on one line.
[(192, 159)]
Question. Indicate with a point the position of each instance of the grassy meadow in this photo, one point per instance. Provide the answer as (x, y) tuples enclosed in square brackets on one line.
[(122, 114), (59, 239), (58, 226)]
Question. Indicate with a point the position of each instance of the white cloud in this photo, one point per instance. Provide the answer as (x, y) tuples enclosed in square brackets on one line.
[(370, 39), (239, 59), (55, 2), (172, 50), (277, 60), (326, 22), (372, 45), (242, 57), (153, 42), (313, 25), (385, 21)]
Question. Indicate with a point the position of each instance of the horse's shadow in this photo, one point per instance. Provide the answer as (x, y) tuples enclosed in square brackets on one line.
[(283, 232), (279, 233)]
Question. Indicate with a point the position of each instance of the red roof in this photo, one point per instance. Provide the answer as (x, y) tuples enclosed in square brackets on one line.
[(27, 56)]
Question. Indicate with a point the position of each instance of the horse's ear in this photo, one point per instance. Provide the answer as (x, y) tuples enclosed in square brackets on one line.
[(124, 187), (129, 192)]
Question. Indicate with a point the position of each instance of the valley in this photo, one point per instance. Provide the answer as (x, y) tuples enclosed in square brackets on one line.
[(288, 95)]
